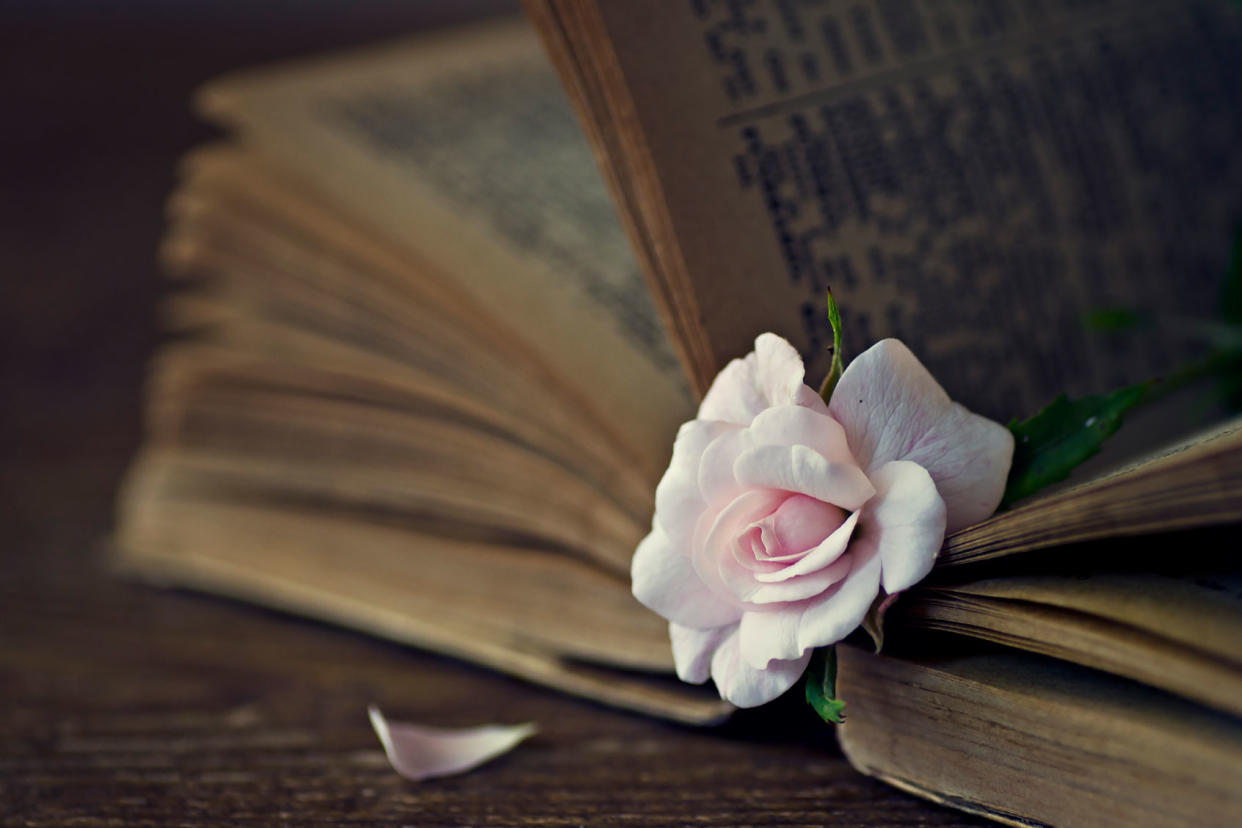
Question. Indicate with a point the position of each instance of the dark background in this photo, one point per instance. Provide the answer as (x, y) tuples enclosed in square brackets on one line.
[(121, 704)]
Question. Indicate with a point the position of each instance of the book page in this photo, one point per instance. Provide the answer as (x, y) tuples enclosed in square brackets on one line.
[(1202, 612), (970, 177), (509, 608), (462, 149), (1194, 483), (1163, 649), (271, 253), (1030, 741)]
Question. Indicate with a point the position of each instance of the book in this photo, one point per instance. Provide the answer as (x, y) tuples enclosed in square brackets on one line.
[(417, 386), (1027, 741), (424, 377), (968, 177)]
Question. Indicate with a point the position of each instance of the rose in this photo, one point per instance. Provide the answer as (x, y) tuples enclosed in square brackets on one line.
[(781, 518)]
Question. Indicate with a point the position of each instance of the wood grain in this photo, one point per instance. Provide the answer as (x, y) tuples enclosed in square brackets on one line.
[(122, 704)]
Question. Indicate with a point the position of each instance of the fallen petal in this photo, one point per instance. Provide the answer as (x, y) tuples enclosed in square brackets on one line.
[(419, 752)]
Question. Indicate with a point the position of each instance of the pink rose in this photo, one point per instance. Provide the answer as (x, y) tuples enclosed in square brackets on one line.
[(780, 518)]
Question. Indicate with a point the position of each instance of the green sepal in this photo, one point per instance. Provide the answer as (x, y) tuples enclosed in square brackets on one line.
[(1048, 446), (821, 685), (837, 368), (873, 621)]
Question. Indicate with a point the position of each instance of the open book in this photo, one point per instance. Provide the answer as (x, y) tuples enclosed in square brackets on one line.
[(423, 384)]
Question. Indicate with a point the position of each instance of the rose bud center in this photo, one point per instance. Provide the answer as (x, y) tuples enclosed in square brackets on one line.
[(785, 535)]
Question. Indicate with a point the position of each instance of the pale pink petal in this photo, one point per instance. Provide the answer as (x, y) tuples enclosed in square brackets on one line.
[(808, 397), (418, 752), (827, 552), (906, 521), (792, 425), (778, 369), (805, 471), (767, 636), (737, 577), (693, 650), (838, 612), (803, 586), (663, 579), (893, 409), (748, 552), (678, 501), (746, 586), (800, 523), (716, 482), (713, 541), (745, 686), (770, 375), (734, 396)]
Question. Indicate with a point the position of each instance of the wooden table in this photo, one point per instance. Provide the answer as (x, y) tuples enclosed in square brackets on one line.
[(126, 705)]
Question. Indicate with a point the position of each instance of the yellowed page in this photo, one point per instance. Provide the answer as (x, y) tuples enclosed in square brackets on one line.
[(273, 256), (1196, 482), (970, 177), (462, 149), (1029, 741), (1200, 612), (513, 609), (1160, 649)]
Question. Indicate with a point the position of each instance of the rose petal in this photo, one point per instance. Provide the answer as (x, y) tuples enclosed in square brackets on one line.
[(745, 686), (678, 501), (838, 613), (808, 397), (748, 552), (778, 368), (792, 425), (418, 752), (733, 396), (693, 650), (750, 587), (716, 482), (770, 375), (821, 556), (713, 545), (893, 409), (906, 520), (800, 523), (767, 636), (664, 579), (803, 586), (803, 470)]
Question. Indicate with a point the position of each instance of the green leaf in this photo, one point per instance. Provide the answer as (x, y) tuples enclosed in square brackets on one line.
[(1231, 293), (821, 685), (1230, 381), (1115, 320), (837, 368), (1048, 446)]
